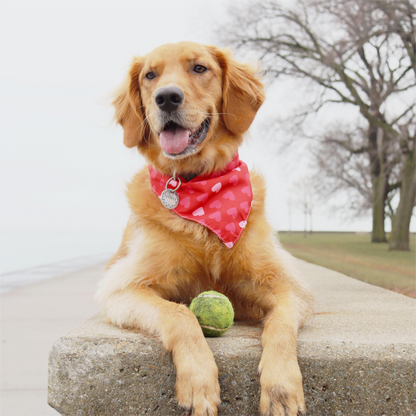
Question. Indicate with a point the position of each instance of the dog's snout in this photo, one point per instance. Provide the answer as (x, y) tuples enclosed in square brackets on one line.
[(169, 98)]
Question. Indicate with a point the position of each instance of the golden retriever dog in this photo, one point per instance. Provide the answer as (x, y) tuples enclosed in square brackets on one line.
[(186, 108)]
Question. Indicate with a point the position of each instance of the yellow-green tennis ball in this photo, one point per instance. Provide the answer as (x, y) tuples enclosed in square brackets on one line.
[(214, 312)]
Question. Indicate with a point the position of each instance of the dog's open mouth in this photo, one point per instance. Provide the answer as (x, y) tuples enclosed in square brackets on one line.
[(175, 140)]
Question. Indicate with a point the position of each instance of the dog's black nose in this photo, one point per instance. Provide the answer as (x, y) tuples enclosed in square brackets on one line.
[(169, 98)]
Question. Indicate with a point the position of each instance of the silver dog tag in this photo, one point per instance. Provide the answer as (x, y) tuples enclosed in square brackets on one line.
[(169, 197)]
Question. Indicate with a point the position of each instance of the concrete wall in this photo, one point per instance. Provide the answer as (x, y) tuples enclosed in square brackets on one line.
[(357, 357)]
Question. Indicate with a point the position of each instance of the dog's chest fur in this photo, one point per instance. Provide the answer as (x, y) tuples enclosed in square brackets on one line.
[(197, 256)]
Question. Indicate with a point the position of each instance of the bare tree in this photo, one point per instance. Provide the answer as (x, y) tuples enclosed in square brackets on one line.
[(399, 239), (402, 22), (348, 171), (344, 170), (358, 53), (305, 199), (289, 211)]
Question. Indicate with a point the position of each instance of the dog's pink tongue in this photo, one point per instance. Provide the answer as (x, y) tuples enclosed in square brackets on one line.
[(174, 140)]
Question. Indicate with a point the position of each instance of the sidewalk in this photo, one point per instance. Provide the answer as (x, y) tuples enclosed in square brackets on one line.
[(33, 317)]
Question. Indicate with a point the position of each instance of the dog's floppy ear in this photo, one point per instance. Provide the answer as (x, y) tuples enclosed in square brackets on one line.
[(128, 106), (243, 92)]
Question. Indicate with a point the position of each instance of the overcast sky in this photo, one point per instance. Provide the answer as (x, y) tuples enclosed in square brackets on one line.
[(63, 165)]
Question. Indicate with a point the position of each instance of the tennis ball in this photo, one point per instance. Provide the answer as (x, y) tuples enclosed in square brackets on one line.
[(214, 312)]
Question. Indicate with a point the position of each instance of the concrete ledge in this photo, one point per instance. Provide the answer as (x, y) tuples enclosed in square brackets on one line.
[(357, 358)]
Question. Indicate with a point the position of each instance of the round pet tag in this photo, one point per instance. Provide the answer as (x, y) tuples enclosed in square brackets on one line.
[(169, 197)]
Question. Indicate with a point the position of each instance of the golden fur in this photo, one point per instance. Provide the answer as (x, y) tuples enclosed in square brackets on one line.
[(164, 260)]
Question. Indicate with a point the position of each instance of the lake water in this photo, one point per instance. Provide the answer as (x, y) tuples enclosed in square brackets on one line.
[(21, 249)]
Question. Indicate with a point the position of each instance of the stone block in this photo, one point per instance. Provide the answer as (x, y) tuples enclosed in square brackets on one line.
[(357, 357)]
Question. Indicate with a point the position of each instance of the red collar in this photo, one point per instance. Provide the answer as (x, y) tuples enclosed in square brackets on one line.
[(220, 201)]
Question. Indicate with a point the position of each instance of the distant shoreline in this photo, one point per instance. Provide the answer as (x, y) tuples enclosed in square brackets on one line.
[(15, 279)]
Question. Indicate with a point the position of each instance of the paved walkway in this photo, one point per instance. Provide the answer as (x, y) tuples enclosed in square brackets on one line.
[(33, 317)]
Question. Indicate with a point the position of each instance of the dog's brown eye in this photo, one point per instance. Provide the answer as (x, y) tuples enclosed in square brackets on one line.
[(200, 69), (150, 75)]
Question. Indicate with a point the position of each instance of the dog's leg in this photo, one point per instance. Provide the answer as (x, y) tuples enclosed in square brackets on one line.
[(128, 301), (268, 280), (197, 387), (280, 377)]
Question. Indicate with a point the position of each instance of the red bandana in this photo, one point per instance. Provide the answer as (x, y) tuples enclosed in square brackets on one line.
[(220, 201)]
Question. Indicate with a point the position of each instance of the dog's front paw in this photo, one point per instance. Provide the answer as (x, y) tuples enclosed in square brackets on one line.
[(281, 388), (197, 387)]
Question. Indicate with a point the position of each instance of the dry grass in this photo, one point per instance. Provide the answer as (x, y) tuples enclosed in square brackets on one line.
[(354, 255)]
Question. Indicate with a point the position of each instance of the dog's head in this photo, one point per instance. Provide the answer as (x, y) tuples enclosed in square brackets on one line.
[(185, 106)]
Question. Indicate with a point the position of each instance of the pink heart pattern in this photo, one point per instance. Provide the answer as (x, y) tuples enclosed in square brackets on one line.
[(202, 198), (233, 212), (246, 190), (216, 188), (198, 212), (229, 195), (220, 201), (242, 224), (216, 216), (244, 206), (233, 180), (189, 190), (216, 204), (230, 227), (186, 202)]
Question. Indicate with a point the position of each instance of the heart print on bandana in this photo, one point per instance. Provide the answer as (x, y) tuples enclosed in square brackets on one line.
[(220, 201)]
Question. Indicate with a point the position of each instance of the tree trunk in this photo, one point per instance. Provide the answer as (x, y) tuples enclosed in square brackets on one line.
[(310, 222), (399, 239), (378, 234), (379, 184), (306, 223)]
